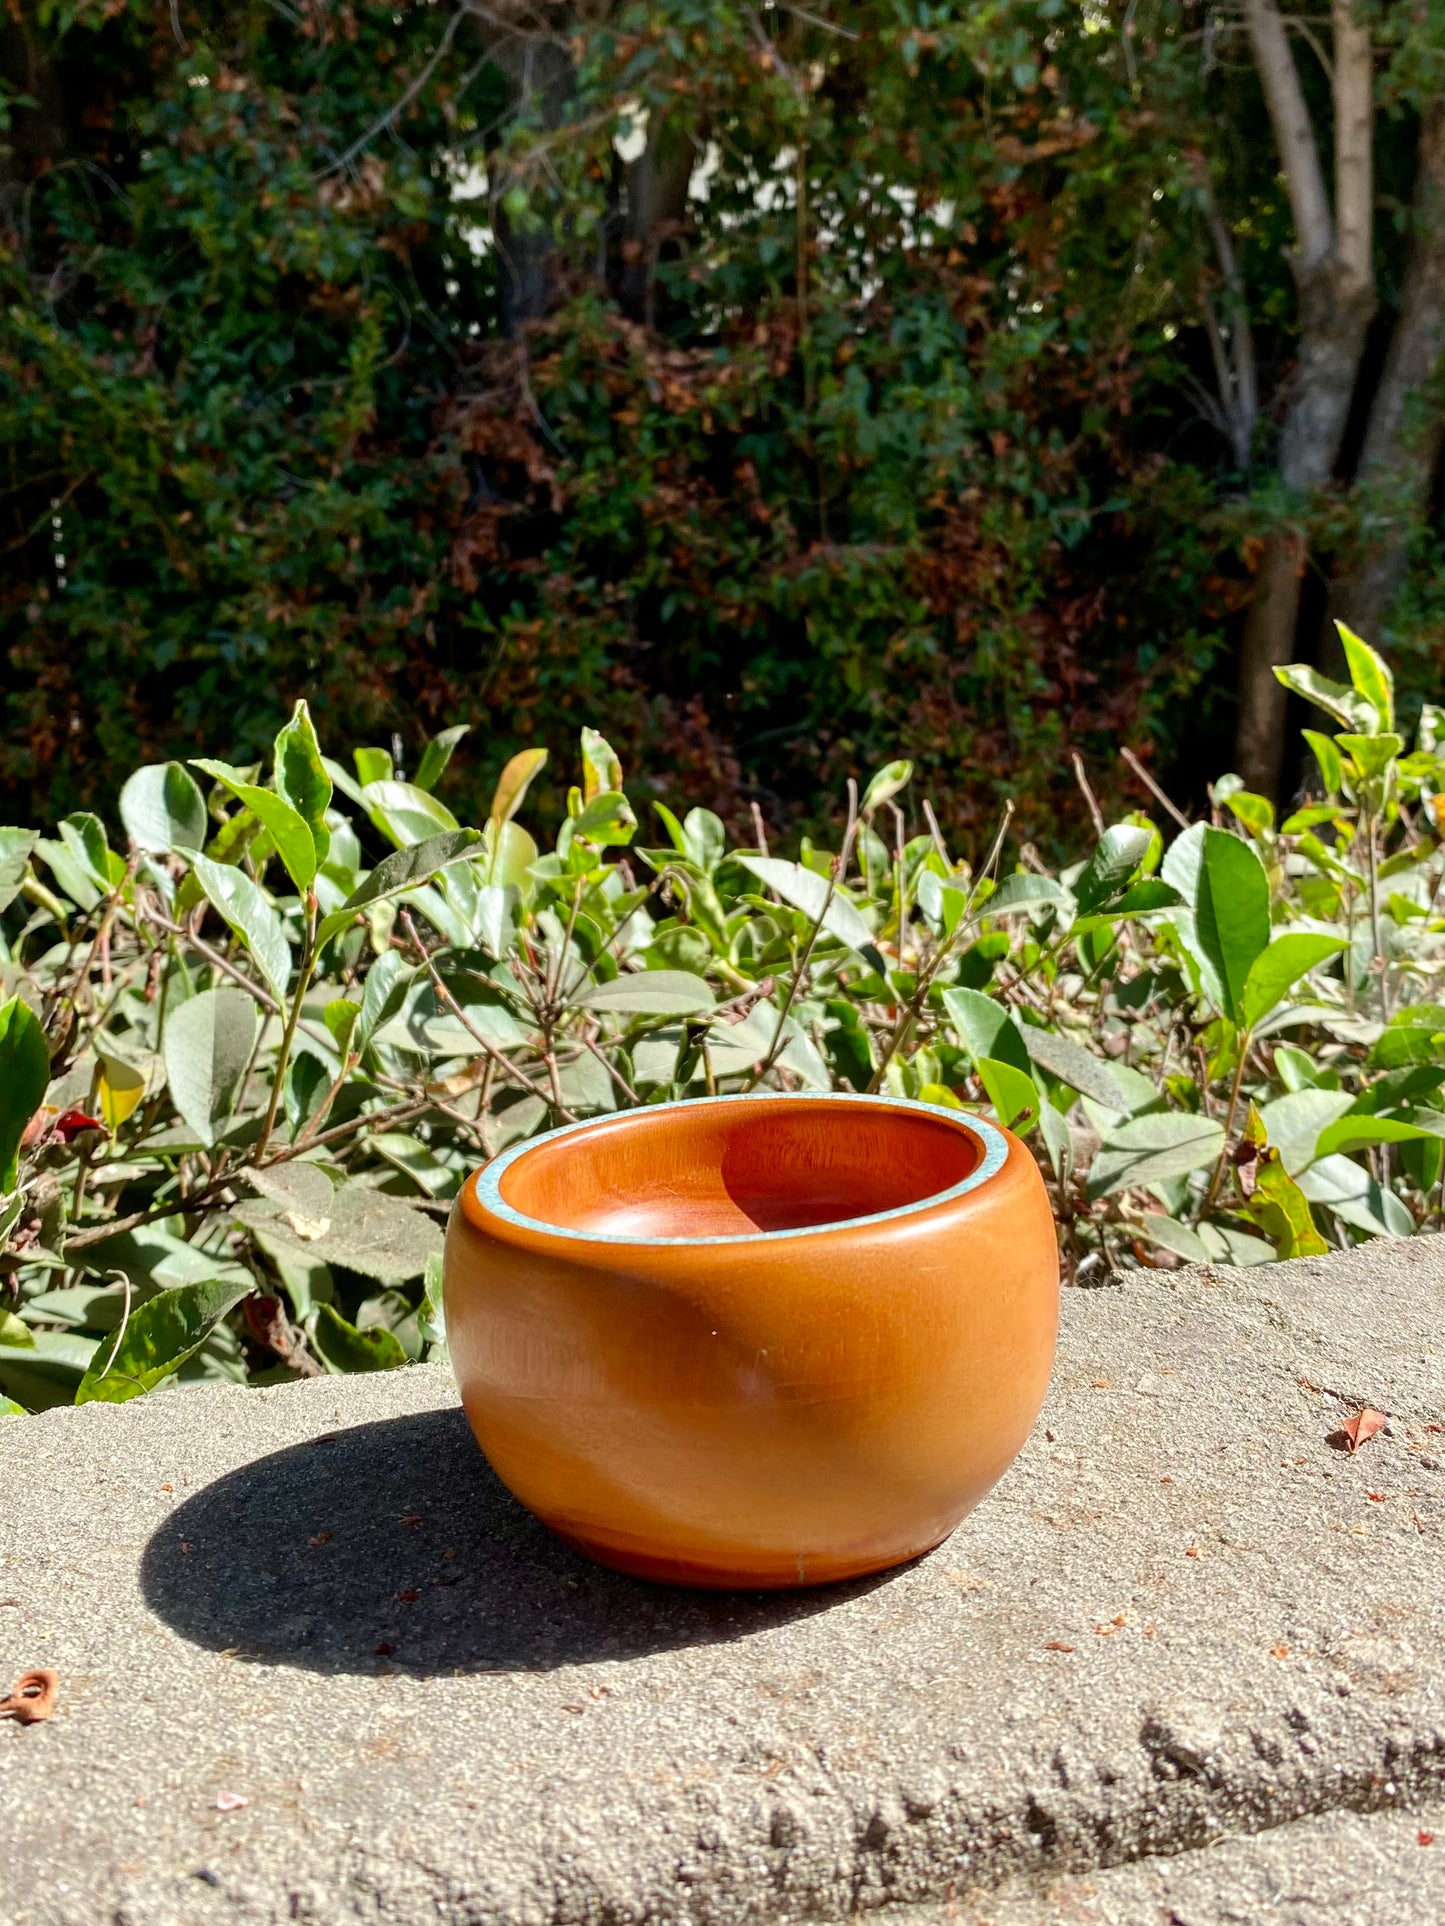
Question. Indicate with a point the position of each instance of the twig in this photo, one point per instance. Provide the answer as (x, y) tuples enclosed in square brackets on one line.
[(124, 1277), (914, 1008), (409, 94), (838, 868), (216, 960), (288, 1033), (936, 833), (1154, 790), (1089, 797), (503, 1061), (616, 1075)]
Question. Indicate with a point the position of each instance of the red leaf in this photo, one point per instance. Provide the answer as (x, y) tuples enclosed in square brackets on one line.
[(33, 1698), (1358, 1429), (70, 1123)]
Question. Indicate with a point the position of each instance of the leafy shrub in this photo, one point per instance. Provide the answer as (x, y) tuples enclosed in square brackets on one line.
[(245, 1066)]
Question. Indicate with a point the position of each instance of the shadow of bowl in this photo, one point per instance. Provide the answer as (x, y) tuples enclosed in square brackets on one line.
[(393, 1545)]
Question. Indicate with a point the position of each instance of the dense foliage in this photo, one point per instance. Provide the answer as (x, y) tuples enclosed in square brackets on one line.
[(782, 387), (248, 1059)]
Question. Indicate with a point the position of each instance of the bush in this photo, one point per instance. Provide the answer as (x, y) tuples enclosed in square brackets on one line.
[(245, 1066)]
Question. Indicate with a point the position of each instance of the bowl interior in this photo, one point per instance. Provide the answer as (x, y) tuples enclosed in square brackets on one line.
[(734, 1169)]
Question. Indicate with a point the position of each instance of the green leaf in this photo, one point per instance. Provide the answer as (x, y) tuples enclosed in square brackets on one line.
[(206, 1046), (1332, 772), (1415, 1034), (884, 786), (1255, 812), (15, 1331), (404, 869), (513, 782), (301, 780), (1280, 967), (507, 855), (1293, 1123), (163, 809), (940, 902), (351, 1224), (1333, 697), (1231, 918), (1170, 1235), (83, 834), (157, 1339), (651, 993), (10, 1409), (704, 839), (437, 754), (607, 820), (601, 771), (1024, 890), (343, 1349), (805, 890), (15, 848), (46, 1373), (1297, 1070), (1281, 1210), (1013, 1094), (245, 906), (1144, 897), (373, 765), (405, 814), (387, 983), (940, 1096), (341, 1016), (1371, 678), (1121, 850), (1080, 1069), (288, 828), (431, 1315), (24, 1079), (1355, 1132), (1152, 1149), (986, 1029), (1371, 755)]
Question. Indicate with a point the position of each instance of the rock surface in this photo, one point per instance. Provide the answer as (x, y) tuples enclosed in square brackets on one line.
[(316, 1665)]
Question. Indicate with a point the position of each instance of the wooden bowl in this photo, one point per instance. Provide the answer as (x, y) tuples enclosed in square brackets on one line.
[(754, 1341)]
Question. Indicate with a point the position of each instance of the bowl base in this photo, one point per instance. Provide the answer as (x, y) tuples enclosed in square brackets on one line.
[(763, 1575)]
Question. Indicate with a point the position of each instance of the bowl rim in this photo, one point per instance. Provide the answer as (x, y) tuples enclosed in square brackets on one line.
[(483, 1188)]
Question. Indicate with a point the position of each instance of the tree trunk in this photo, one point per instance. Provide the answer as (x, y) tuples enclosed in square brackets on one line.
[(1406, 428), (1334, 271), (38, 134), (1268, 644), (539, 70), (657, 184)]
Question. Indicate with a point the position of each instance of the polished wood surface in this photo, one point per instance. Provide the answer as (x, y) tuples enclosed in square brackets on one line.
[(765, 1410)]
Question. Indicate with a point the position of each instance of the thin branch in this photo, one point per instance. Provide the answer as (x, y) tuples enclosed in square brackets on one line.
[(1089, 797), (837, 870), (409, 94), (1294, 132), (484, 1043), (1149, 783)]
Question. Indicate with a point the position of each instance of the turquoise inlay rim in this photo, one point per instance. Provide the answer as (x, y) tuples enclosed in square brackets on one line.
[(487, 1183)]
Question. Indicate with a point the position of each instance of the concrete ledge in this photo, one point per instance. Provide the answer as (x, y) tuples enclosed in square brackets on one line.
[(1183, 1617)]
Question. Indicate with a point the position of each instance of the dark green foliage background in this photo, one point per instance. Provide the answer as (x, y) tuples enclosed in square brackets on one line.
[(951, 496)]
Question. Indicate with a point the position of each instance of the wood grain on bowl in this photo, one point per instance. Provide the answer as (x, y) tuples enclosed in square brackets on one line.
[(755, 1341)]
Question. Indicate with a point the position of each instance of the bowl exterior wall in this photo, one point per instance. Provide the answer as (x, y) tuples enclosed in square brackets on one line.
[(759, 1412)]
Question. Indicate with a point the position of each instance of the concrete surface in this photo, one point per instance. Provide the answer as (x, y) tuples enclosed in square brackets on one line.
[(1182, 1619), (1341, 1869)]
